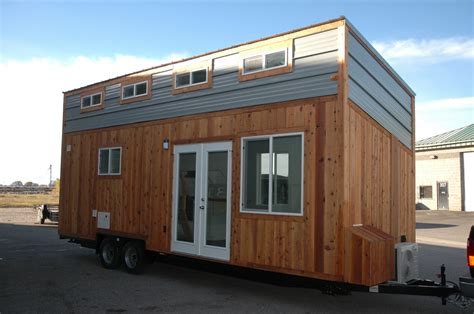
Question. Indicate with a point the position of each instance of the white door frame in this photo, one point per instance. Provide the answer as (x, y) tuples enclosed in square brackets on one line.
[(216, 252), (182, 246), (199, 247)]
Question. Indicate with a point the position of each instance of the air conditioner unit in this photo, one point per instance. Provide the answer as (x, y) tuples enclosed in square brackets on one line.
[(406, 262)]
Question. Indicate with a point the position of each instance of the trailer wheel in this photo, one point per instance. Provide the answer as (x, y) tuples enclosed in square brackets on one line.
[(134, 257), (109, 253)]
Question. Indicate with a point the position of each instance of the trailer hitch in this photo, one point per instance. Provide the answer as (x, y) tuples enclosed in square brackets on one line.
[(446, 290)]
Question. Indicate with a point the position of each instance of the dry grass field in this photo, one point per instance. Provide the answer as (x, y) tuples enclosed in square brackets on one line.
[(29, 200)]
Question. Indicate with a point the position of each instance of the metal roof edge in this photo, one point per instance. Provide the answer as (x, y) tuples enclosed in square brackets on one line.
[(444, 145), (440, 139)]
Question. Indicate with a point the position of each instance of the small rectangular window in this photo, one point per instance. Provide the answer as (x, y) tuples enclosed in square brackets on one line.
[(140, 89), (253, 64), (91, 100), (272, 174), (128, 91), (265, 61), (86, 102), (199, 76), (191, 78), (426, 191), (182, 80), (135, 90), (276, 59), (110, 160), (96, 99)]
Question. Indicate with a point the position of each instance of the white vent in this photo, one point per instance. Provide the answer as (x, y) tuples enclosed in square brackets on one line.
[(406, 258)]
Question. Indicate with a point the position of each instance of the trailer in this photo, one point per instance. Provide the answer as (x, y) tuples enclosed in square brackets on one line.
[(291, 154), (46, 211)]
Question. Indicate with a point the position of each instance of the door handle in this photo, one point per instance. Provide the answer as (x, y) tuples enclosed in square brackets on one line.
[(201, 207)]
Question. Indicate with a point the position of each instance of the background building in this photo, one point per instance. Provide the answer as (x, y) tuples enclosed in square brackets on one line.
[(445, 171)]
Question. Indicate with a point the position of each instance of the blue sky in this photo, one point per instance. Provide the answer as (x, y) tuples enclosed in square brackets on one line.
[(53, 46)]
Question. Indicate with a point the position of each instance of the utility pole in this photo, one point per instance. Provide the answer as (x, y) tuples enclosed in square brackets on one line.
[(50, 175)]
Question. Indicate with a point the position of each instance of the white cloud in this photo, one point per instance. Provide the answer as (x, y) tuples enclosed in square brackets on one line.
[(31, 108), (447, 104), (443, 115), (432, 50)]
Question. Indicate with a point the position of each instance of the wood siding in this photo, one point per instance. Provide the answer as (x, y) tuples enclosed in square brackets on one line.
[(376, 191), (380, 178), (359, 182), (369, 256)]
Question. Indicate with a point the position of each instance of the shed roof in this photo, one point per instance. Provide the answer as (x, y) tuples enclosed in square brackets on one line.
[(456, 138), (371, 49)]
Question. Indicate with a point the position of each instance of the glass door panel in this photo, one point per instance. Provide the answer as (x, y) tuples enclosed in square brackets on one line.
[(216, 211), (186, 197)]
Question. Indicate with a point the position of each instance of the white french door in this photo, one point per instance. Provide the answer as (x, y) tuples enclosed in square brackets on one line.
[(202, 199)]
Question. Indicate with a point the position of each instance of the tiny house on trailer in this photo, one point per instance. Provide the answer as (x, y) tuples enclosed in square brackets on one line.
[(292, 153)]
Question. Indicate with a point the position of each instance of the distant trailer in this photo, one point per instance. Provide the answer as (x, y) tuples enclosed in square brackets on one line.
[(292, 153)]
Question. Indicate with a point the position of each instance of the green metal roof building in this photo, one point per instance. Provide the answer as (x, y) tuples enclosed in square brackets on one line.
[(445, 171), (456, 138)]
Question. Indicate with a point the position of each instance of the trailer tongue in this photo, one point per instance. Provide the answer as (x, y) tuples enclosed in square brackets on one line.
[(461, 295)]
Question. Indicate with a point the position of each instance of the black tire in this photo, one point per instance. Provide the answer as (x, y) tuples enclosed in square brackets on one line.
[(133, 257), (472, 271), (109, 254)]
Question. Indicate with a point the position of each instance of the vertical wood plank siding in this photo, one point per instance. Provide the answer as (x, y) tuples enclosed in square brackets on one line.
[(139, 200), (369, 255), (382, 192)]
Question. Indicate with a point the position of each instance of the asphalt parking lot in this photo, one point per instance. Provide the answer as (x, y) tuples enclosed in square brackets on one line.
[(40, 273)]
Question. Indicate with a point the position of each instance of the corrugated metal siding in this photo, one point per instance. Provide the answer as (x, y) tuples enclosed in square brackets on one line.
[(316, 63), (357, 51), (112, 91), (226, 64), (377, 91), (378, 113), (316, 43), (73, 101), (269, 93), (372, 49), (378, 94), (162, 79)]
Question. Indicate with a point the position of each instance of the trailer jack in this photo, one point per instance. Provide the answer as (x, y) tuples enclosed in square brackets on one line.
[(448, 291)]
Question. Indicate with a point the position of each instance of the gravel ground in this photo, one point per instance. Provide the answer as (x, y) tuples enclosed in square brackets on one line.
[(41, 274), (18, 216), (438, 226)]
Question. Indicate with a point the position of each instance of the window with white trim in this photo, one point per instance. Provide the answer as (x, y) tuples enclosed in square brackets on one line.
[(265, 61), (135, 90), (93, 100), (272, 174), (191, 78), (110, 160)]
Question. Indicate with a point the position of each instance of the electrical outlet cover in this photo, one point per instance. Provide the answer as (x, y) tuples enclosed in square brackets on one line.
[(103, 221)]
